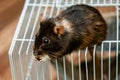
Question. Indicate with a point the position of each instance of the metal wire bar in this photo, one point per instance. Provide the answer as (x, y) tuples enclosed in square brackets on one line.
[(79, 1), (72, 68), (51, 78), (92, 4), (36, 70), (109, 61), (56, 62), (79, 65), (102, 61), (57, 5), (12, 67), (117, 13), (64, 66), (98, 1), (43, 71), (104, 2), (66, 1), (72, 2), (84, 1), (29, 68), (91, 1), (94, 69), (111, 1), (86, 65)]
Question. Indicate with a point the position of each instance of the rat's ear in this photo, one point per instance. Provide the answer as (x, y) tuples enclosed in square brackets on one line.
[(59, 30), (41, 17)]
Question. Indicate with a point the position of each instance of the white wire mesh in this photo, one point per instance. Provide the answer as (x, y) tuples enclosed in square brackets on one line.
[(23, 66)]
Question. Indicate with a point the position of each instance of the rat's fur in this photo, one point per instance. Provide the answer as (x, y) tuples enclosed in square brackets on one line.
[(76, 27)]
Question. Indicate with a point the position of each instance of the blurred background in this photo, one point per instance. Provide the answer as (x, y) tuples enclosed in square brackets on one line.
[(10, 11)]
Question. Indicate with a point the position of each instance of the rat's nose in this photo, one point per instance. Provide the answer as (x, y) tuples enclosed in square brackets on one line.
[(37, 57)]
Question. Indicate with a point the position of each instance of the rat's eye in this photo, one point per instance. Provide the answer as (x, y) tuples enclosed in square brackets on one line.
[(45, 40)]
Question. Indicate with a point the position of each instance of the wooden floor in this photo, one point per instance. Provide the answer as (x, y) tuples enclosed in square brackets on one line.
[(9, 15)]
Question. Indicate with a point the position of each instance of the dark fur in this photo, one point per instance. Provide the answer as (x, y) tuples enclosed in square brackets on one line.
[(89, 28)]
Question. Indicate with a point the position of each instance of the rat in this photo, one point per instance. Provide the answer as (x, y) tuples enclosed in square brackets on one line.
[(77, 27)]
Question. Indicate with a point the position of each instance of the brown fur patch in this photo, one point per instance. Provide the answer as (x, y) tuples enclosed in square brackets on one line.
[(59, 30), (87, 38)]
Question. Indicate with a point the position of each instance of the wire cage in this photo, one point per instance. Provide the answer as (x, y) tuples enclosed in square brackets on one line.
[(78, 66)]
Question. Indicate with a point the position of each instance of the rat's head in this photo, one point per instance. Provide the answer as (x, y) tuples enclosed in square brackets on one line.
[(50, 40)]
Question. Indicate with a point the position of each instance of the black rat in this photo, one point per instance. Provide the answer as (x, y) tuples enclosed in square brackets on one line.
[(77, 27)]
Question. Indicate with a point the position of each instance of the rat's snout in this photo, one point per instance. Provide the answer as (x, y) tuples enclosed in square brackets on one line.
[(37, 54), (41, 56), (37, 58)]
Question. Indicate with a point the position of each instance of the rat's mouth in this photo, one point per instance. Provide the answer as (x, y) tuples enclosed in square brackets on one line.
[(41, 58), (37, 58), (46, 56)]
